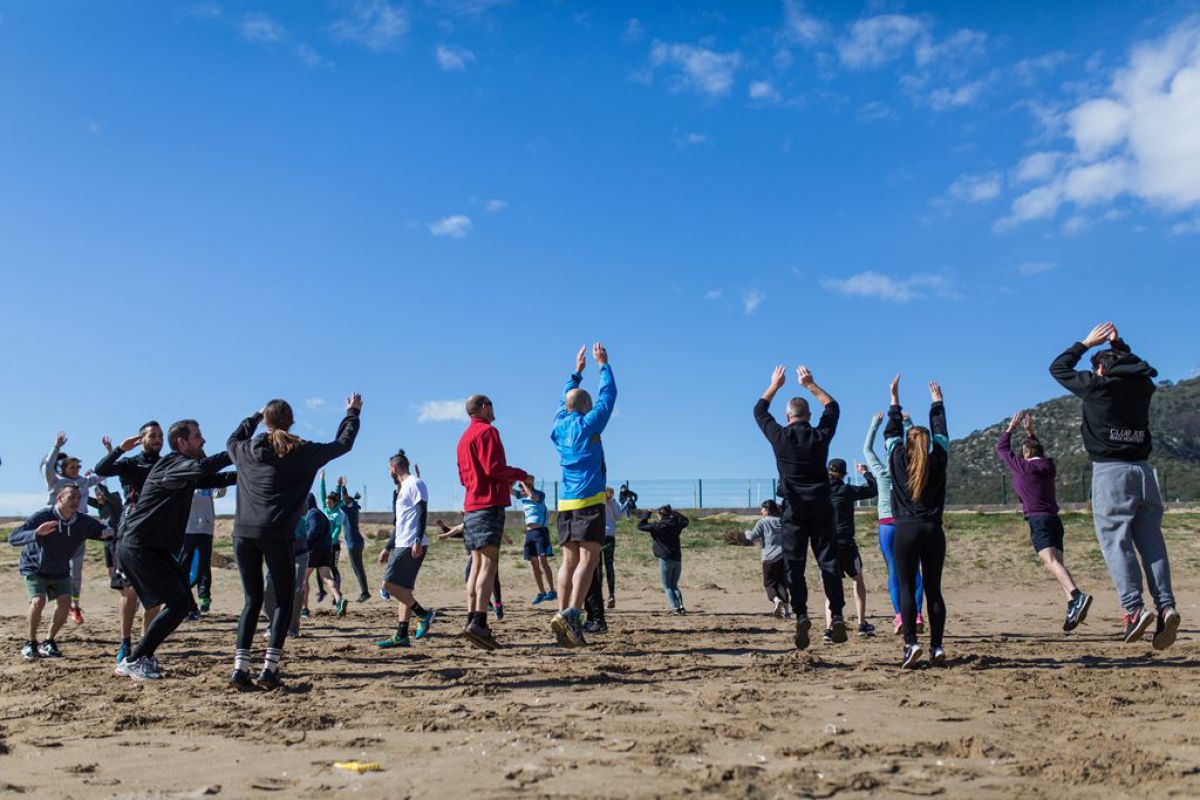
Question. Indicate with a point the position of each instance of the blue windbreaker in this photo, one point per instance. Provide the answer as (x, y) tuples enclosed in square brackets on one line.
[(580, 452)]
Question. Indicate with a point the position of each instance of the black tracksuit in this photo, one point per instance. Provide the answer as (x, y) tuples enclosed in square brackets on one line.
[(152, 535), (132, 473), (843, 496), (802, 456), (920, 538), (1116, 405), (271, 496)]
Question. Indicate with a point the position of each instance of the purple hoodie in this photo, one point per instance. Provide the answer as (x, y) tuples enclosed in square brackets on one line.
[(1032, 479)]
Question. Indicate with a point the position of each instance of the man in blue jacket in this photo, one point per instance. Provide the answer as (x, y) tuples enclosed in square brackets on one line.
[(576, 434), (50, 538)]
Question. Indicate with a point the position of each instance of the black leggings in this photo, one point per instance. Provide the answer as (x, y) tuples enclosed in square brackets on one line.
[(609, 551), (359, 573), (594, 602), (250, 555), (921, 543)]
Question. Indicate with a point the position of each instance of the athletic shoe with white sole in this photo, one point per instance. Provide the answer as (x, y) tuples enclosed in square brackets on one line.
[(561, 628), (937, 657), (912, 653), (1077, 610), (1168, 625), (30, 651), (48, 649), (133, 669), (1136, 623), (778, 608)]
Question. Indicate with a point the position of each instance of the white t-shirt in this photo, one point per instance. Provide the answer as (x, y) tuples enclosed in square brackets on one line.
[(409, 519)]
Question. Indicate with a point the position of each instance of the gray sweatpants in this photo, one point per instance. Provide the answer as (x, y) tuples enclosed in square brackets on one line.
[(300, 564), (1127, 510)]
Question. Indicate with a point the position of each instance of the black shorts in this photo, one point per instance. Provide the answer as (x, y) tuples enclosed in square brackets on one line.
[(155, 575), (483, 527), (1046, 531), (402, 568), (581, 525), (537, 543), (320, 558), (116, 578), (849, 559)]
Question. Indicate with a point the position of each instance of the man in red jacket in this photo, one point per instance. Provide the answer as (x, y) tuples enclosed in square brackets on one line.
[(487, 478)]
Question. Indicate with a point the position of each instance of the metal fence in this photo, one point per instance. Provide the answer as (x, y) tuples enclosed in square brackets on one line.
[(688, 492)]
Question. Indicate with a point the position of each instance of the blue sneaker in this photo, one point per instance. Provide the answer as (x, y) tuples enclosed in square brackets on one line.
[(541, 597), (551, 596), (424, 622), (383, 592), (393, 641)]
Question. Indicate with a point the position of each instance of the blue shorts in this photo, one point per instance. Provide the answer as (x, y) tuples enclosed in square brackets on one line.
[(537, 543)]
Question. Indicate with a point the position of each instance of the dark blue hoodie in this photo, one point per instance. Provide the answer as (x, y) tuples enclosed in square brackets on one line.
[(50, 556), (316, 527)]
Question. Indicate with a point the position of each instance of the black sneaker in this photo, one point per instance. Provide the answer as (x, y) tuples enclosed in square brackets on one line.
[(866, 629), (595, 626), (827, 637), (240, 680), (803, 625), (1077, 611), (48, 649), (1136, 623), (480, 636), (304, 612), (30, 651), (1164, 633), (937, 657), (364, 597), (912, 653), (268, 680), (838, 630)]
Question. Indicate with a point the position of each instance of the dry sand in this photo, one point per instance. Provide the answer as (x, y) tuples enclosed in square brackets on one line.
[(716, 703)]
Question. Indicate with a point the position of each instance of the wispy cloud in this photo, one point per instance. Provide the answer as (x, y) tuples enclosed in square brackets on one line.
[(714, 294), (634, 31), (374, 24), (260, 29), (1184, 228), (453, 59), (874, 41), (466, 8), (802, 27), (975, 188), (18, 504), (764, 92), (751, 300), (205, 10), (442, 411), (876, 285), (314, 403), (453, 227), (495, 206), (691, 138), (696, 69), (1035, 267)]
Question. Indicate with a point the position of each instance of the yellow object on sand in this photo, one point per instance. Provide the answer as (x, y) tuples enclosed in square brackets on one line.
[(358, 766)]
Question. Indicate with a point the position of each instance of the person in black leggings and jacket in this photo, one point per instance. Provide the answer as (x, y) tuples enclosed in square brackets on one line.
[(918, 466), (275, 473)]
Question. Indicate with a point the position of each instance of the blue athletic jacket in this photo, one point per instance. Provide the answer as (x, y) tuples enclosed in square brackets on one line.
[(580, 452)]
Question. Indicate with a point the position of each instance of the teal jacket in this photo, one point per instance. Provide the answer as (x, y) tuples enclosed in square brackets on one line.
[(883, 475), (577, 437)]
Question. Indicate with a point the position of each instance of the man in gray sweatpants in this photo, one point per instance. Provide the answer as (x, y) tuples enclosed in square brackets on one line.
[(1126, 505)]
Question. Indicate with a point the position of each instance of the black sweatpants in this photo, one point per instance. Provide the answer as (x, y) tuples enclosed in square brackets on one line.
[(200, 543), (775, 580), (920, 543), (594, 602), (360, 573), (609, 551), (337, 574), (156, 577), (250, 555), (804, 524)]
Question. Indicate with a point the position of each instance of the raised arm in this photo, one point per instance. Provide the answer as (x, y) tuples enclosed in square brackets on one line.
[(606, 398), (51, 459), (347, 432), (244, 432), (804, 375), (1004, 445), (762, 409), (871, 489), (937, 418), (201, 473), (876, 466), (1062, 369)]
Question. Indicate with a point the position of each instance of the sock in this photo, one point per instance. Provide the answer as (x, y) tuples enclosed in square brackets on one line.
[(418, 609), (402, 630), (241, 660), (271, 664), (127, 644), (1075, 594)]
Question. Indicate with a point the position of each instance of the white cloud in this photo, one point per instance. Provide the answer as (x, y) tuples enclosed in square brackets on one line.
[(1183, 228), (442, 411), (1075, 225), (375, 24), (1035, 267), (691, 138), (751, 300), (634, 31), (945, 98), (884, 287), (874, 41), (95, 128), (1028, 70), (454, 227), (308, 55), (314, 403), (962, 45), (763, 91), (802, 26), (1137, 140), (453, 59), (714, 294), (975, 188), (699, 69), (260, 29), (494, 206), (874, 111), (466, 8), (205, 11), (1036, 166)]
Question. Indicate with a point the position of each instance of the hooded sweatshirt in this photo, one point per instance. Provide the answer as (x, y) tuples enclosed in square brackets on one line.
[(580, 451), (55, 481), (664, 534), (879, 469), (351, 508), (930, 507), (1032, 479), (50, 556), (159, 519), (1116, 405), (843, 496), (271, 490), (316, 527)]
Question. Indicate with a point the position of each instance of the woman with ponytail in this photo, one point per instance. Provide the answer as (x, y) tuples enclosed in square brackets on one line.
[(276, 470), (917, 460)]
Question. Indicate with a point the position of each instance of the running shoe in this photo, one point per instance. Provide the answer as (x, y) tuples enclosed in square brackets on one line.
[(193, 616), (133, 669), (920, 624), (268, 680), (827, 637), (898, 623), (912, 652), (1136, 623), (123, 651), (480, 636), (803, 624), (394, 641), (364, 597), (937, 657), (612, 602), (240, 680), (304, 612), (1077, 611), (76, 614), (30, 651), (499, 607), (384, 594), (341, 607), (838, 630), (561, 629), (1164, 633), (205, 604), (778, 608), (541, 598), (152, 671), (424, 622), (787, 613), (576, 622), (682, 611), (595, 626), (866, 629), (551, 595), (48, 649)]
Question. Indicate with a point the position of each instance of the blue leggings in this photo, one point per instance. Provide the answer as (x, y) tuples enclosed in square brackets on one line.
[(887, 533), (668, 573)]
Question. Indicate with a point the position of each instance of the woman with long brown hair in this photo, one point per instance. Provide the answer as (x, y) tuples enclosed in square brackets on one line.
[(918, 465), (276, 470)]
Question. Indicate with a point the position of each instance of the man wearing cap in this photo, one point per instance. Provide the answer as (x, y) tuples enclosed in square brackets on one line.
[(843, 496)]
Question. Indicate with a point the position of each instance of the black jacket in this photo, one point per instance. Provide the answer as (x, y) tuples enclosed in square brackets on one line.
[(1116, 405), (159, 519), (271, 490), (317, 538), (933, 501), (131, 472), (108, 506), (801, 452), (843, 496), (664, 534), (50, 556)]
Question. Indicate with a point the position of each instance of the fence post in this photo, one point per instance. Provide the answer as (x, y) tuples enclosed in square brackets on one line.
[(749, 502), (774, 488), (1003, 491), (700, 492), (556, 495)]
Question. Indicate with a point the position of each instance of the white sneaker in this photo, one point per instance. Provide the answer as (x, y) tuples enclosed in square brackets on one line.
[(778, 608), (133, 669), (151, 666)]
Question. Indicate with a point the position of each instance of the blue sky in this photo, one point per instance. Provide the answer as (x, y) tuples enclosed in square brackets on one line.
[(205, 205)]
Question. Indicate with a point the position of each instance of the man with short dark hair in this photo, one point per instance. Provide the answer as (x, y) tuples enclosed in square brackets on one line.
[(152, 535), (1126, 505), (405, 552), (801, 451)]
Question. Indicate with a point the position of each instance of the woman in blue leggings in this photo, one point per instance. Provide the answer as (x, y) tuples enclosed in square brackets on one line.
[(887, 523)]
